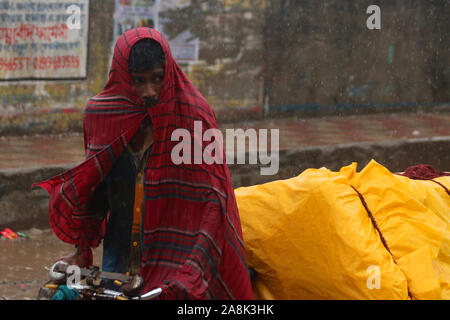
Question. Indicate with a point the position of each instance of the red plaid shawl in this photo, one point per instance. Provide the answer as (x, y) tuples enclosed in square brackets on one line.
[(192, 238)]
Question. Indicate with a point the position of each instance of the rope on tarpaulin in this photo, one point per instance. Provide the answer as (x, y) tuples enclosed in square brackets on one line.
[(425, 172)]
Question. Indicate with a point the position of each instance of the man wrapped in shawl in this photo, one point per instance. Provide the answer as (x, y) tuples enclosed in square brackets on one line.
[(176, 224)]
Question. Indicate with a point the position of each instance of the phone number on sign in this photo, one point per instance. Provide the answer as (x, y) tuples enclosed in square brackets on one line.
[(39, 63)]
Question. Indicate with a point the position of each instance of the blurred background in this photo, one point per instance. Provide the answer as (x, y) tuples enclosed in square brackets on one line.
[(250, 58)]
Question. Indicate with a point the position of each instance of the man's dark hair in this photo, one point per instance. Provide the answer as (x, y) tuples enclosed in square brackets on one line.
[(145, 55)]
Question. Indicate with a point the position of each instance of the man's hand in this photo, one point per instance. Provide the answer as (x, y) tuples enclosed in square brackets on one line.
[(75, 258)]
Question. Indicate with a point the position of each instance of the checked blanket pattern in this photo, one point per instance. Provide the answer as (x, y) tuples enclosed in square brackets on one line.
[(192, 238)]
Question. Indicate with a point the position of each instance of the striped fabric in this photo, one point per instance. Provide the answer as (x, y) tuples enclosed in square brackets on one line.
[(192, 238)]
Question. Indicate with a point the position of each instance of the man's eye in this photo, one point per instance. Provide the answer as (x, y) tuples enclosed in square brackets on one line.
[(137, 81)]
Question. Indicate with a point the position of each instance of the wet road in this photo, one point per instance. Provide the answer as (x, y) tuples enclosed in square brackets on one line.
[(38, 150), (24, 262)]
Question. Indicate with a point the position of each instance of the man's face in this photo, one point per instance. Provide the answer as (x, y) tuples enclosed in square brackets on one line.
[(149, 85)]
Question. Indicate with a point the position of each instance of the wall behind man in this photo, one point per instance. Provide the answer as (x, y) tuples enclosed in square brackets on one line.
[(322, 56), (319, 57), (316, 57)]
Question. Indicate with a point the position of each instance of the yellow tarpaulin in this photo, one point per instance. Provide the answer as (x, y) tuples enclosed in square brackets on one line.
[(348, 235)]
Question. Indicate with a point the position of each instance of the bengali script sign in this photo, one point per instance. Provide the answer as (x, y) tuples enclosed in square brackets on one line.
[(43, 39)]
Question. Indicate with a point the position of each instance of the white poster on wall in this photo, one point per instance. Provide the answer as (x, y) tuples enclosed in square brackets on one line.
[(130, 14), (43, 39)]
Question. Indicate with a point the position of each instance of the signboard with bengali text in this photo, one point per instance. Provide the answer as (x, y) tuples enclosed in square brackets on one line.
[(43, 39)]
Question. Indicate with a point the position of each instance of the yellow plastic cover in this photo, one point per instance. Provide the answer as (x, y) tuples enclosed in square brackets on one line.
[(348, 235)]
